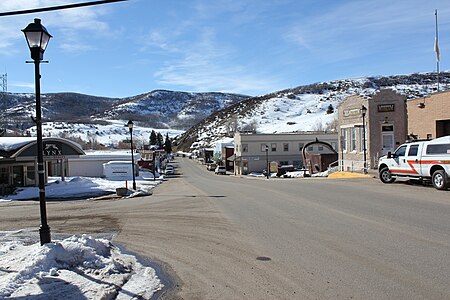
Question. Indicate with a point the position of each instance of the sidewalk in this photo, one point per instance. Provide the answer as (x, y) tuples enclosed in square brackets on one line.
[(342, 174)]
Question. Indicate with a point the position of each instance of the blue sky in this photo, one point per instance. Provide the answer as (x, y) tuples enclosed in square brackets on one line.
[(250, 47)]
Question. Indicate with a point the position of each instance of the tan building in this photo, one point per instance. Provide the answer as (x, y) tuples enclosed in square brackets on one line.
[(429, 117), (384, 128), (283, 148)]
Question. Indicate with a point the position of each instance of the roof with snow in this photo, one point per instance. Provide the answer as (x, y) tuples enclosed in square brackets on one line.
[(13, 147)]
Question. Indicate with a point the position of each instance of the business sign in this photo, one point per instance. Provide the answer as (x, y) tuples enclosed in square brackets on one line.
[(352, 112), (53, 151), (386, 107)]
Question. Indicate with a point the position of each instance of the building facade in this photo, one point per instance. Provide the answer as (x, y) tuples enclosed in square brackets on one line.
[(429, 117), (250, 153), (384, 128), (18, 160)]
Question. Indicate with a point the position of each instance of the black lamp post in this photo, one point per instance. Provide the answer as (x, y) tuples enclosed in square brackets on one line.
[(130, 126), (267, 161), (363, 112), (37, 38)]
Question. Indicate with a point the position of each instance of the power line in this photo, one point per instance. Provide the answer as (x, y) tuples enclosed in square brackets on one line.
[(44, 9)]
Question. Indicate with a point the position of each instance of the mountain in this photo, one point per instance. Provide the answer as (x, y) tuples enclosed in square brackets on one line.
[(304, 108), (157, 109)]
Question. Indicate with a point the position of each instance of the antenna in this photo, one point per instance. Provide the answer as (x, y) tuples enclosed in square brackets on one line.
[(3, 91)]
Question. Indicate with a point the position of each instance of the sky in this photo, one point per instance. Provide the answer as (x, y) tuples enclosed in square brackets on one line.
[(249, 47)]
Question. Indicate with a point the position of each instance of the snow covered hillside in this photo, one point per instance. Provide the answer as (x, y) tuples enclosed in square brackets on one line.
[(87, 116), (305, 108)]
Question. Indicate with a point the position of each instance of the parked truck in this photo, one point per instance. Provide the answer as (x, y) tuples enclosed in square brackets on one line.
[(422, 160)]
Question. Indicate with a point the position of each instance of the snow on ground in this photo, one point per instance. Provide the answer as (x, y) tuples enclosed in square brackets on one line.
[(84, 187), (76, 267), (73, 268), (107, 134)]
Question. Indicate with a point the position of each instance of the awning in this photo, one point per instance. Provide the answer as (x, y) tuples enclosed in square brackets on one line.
[(231, 158)]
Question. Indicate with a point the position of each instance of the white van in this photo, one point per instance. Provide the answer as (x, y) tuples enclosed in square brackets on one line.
[(424, 160)]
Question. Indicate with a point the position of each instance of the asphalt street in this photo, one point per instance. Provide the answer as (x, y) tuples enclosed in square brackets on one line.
[(227, 237)]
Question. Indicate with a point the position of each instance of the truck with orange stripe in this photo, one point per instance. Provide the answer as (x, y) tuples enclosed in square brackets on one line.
[(423, 160)]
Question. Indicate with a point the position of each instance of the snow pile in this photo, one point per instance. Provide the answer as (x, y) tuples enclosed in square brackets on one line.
[(84, 187), (77, 267)]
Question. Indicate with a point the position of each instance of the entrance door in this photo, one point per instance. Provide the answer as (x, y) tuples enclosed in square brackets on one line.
[(387, 138), (18, 176)]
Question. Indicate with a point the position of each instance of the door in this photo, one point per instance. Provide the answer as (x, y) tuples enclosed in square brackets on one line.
[(387, 139)]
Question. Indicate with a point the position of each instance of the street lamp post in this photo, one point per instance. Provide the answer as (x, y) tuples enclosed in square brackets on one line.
[(267, 161), (130, 126), (363, 112), (37, 38)]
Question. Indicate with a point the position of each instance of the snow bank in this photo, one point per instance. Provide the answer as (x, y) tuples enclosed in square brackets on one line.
[(77, 267)]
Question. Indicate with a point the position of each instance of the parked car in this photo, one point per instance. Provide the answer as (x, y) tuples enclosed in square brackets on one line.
[(220, 170), (169, 170), (423, 160), (211, 167)]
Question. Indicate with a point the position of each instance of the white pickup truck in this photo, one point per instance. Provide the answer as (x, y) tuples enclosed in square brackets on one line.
[(423, 160)]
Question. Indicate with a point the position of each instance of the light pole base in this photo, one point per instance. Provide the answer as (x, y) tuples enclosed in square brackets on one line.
[(44, 234)]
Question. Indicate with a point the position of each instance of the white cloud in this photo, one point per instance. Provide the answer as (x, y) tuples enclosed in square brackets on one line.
[(208, 65), (19, 84), (70, 25)]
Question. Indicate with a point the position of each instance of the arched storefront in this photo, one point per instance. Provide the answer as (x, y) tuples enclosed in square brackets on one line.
[(18, 160)]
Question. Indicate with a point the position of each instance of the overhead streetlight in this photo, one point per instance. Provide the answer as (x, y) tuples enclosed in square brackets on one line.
[(363, 112), (37, 38), (130, 126)]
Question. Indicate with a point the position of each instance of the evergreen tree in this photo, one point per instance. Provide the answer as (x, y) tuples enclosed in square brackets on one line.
[(168, 144), (159, 140), (153, 140), (330, 109)]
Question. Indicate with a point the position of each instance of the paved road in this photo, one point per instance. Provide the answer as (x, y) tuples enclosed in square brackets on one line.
[(224, 237)]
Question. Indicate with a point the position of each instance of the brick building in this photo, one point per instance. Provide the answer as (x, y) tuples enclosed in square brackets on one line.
[(385, 128), (429, 117)]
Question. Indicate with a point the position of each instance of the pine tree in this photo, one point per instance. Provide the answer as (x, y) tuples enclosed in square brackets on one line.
[(159, 140), (330, 109), (168, 144), (153, 140)]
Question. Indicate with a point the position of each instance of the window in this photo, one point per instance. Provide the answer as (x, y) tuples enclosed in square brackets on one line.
[(353, 139), (438, 149), (344, 139), (4, 175), (274, 147), (300, 146), (297, 164), (244, 147), (400, 151), (320, 148), (285, 147), (284, 163), (413, 149), (264, 147), (310, 148), (363, 136), (30, 174)]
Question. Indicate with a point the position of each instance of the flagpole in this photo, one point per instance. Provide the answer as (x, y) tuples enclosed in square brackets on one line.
[(437, 51)]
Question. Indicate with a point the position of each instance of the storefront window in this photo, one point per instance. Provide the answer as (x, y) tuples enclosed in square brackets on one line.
[(344, 139), (18, 176), (353, 139), (31, 175), (4, 175)]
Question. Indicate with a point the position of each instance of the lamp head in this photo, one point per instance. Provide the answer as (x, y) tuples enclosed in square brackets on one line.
[(130, 124), (37, 38), (363, 110)]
